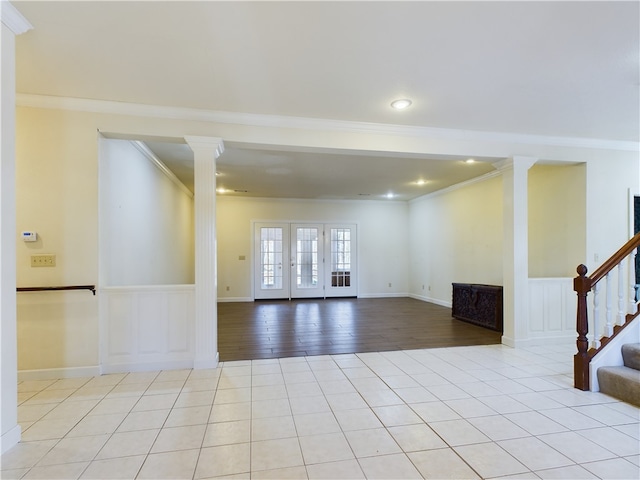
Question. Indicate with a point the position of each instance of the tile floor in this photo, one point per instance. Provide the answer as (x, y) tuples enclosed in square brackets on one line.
[(461, 412)]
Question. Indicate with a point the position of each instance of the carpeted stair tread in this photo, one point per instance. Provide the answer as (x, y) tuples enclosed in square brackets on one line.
[(620, 382), (631, 355)]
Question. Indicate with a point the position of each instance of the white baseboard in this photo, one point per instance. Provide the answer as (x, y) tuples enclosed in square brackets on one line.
[(234, 299), (382, 295), (75, 372), (424, 298), (538, 341), (147, 366), (10, 438), (53, 373)]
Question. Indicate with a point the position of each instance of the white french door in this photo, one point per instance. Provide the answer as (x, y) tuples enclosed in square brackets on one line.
[(340, 264), (271, 260), (304, 260), (307, 256)]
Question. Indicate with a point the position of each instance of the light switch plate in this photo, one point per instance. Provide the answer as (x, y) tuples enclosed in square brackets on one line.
[(44, 260)]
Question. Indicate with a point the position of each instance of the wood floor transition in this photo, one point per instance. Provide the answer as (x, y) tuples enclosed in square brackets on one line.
[(282, 328)]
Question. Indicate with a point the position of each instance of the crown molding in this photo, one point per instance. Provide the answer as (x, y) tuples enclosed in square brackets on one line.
[(278, 121), (457, 186), (13, 19), (149, 155), (341, 201)]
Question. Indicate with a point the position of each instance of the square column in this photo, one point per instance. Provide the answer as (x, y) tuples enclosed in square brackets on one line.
[(205, 152), (13, 23), (515, 259)]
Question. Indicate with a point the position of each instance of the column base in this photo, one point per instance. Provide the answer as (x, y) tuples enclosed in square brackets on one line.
[(10, 439), (206, 362)]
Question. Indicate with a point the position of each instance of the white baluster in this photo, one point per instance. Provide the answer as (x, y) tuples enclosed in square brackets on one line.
[(608, 326), (596, 315), (633, 306), (620, 319)]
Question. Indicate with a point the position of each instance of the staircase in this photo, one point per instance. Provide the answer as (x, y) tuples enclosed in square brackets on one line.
[(611, 325), (623, 382)]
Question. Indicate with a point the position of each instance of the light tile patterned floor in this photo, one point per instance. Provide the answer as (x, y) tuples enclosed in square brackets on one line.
[(463, 412)]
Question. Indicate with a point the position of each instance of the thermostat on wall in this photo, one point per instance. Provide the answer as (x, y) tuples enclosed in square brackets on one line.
[(29, 236)]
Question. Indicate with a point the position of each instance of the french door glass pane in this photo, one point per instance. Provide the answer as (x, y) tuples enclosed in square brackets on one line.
[(271, 258), (306, 257), (340, 257)]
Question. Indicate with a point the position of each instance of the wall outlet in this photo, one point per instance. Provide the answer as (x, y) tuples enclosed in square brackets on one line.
[(45, 260), (389, 284), (429, 287), (228, 288)]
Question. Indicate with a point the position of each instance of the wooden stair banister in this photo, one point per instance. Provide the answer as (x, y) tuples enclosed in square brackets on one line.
[(582, 285), (615, 259)]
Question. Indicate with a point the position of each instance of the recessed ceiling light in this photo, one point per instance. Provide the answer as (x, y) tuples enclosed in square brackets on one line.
[(469, 160), (389, 195), (401, 104), (221, 190), (218, 174), (421, 182)]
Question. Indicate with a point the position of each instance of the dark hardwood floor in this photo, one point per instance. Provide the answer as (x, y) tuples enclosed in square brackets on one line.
[(281, 328)]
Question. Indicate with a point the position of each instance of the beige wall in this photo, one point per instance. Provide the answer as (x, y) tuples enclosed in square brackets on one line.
[(57, 330), (557, 220), (57, 196), (456, 237), (382, 239)]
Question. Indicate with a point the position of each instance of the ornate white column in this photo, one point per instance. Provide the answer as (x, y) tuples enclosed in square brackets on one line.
[(515, 258), (13, 23), (205, 152)]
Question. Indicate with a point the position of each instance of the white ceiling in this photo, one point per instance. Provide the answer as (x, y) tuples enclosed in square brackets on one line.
[(256, 172), (568, 69)]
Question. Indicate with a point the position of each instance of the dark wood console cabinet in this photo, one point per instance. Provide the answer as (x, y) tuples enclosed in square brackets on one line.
[(478, 304)]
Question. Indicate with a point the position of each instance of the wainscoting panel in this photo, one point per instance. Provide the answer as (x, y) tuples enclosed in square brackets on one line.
[(552, 310), (121, 308), (180, 314), (152, 324), (147, 327)]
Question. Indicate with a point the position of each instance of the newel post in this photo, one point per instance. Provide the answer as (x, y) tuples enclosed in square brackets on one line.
[(582, 285)]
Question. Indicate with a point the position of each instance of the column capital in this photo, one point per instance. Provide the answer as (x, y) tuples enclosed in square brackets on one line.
[(213, 143), (511, 162), (13, 19)]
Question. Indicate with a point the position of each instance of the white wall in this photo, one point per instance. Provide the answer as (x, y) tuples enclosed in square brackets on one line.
[(456, 237), (382, 239), (9, 429), (146, 221), (608, 183)]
